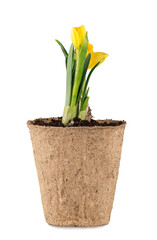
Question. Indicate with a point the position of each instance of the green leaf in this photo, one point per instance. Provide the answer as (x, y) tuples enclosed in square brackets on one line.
[(69, 76), (66, 60), (85, 104), (62, 48), (73, 65), (90, 73), (86, 64), (73, 72), (86, 94), (86, 84)]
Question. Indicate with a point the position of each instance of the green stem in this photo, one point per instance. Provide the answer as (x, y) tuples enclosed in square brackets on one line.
[(82, 115), (70, 112), (80, 60), (78, 77)]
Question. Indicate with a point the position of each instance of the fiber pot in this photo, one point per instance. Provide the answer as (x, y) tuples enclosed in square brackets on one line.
[(77, 170)]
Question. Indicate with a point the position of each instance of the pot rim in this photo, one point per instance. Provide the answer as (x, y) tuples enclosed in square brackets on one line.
[(122, 124)]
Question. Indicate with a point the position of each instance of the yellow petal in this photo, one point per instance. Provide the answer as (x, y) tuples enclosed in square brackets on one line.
[(82, 32), (90, 48), (77, 36), (97, 57)]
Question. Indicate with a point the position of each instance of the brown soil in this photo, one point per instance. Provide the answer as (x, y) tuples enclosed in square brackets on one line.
[(57, 122)]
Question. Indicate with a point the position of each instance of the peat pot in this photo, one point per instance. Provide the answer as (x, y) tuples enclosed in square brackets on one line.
[(77, 170)]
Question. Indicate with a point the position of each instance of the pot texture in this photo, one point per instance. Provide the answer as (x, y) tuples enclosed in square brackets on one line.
[(77, 170)]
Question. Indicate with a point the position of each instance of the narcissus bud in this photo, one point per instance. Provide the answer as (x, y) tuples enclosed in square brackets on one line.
[(78, 35)]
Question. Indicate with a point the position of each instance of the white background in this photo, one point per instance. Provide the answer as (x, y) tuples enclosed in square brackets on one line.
[(32, 76)]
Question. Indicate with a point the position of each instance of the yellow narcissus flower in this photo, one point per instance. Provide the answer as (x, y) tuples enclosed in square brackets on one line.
[(95, 56), (77, 36)]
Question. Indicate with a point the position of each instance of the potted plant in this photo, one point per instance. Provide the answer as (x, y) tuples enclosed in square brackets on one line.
[(77, 158)]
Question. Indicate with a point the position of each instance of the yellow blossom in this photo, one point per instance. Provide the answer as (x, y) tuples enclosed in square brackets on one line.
[(95, 56), (77, 36)]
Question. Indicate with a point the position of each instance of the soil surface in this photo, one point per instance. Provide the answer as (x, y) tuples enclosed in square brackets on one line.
[(76, 122)]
